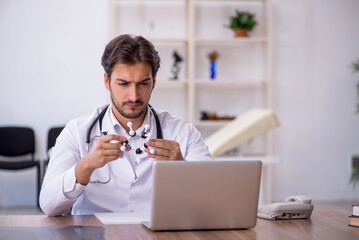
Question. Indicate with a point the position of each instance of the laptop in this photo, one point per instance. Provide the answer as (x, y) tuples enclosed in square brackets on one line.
[(204, 195)]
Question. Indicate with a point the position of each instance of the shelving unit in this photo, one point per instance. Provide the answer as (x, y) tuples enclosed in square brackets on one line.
[(194, 28)]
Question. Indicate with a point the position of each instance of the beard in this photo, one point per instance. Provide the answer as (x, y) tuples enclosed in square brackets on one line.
[(132, 114)]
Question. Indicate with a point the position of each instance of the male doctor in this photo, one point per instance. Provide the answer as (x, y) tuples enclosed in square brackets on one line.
[(88, 171)]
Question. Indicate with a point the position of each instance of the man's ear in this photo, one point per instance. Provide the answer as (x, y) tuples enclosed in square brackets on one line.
[(106, 81)]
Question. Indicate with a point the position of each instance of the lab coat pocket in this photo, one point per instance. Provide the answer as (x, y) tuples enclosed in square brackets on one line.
[(101, 175)]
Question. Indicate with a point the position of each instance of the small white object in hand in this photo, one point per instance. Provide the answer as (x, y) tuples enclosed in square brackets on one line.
[(132, 133)]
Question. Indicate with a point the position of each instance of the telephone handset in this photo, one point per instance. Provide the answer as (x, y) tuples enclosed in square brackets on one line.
[(294, 207)]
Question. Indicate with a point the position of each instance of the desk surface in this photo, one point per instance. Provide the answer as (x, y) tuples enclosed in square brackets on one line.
[(324, 224)]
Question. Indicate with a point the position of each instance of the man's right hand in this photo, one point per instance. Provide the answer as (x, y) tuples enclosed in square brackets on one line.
[(106, 149)]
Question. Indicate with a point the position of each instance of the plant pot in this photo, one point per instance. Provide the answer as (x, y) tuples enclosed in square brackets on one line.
[(240, 32)]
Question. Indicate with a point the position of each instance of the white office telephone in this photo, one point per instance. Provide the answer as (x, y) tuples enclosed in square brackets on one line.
[(294, 207)]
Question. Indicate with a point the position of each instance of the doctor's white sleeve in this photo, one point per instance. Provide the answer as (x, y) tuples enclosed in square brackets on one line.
[(196, 150), (59, 189)]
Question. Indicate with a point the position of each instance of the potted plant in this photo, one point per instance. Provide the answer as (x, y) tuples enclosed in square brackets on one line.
[(241, 23), (355, 68), (355, 158)]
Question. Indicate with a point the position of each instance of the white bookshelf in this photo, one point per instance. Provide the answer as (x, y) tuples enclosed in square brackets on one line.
[(219, 40), (194, 28)]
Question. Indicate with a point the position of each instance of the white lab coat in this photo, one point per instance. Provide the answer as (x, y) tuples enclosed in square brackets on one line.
[(121, 185)]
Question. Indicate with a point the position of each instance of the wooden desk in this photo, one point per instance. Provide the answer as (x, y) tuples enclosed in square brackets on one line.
[(324, 224)]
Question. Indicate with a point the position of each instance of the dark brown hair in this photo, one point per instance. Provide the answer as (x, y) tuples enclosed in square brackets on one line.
[(130, 49)]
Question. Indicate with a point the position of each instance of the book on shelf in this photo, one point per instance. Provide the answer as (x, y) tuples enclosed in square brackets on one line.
[(354, 218), (354, 221), (355, 210)]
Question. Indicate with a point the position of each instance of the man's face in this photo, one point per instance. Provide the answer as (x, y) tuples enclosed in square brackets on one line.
[(130, 87)]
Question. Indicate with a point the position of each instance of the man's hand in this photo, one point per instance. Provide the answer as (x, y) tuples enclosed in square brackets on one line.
[(164, 150), (106, 149)]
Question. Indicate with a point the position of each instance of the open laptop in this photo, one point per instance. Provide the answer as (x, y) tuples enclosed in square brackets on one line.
[(204, 195)]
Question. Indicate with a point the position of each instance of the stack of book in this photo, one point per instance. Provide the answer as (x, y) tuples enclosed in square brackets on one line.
[(354, 218)]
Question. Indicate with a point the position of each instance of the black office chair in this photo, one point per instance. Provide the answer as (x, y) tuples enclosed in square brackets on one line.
[(18, 143), (51, 140)]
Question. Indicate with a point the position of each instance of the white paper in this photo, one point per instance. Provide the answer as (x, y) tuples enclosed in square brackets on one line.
[(123, 217)]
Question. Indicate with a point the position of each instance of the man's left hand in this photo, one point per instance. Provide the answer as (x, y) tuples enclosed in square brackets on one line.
[(165, 150)]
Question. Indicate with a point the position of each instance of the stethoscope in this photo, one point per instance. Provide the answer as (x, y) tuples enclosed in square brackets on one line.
[(99, 119)]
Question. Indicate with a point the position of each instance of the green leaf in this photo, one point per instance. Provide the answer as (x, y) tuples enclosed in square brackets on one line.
[(355, 69), (355, 66), (242, 20), (355, 171)]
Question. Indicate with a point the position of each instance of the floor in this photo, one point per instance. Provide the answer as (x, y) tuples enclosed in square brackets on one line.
[(36, 211)]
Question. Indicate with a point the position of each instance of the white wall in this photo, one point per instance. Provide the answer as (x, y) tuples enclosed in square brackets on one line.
[(314, 43), (50, 72)]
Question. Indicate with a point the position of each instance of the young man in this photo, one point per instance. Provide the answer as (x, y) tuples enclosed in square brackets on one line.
[(92, 169)]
